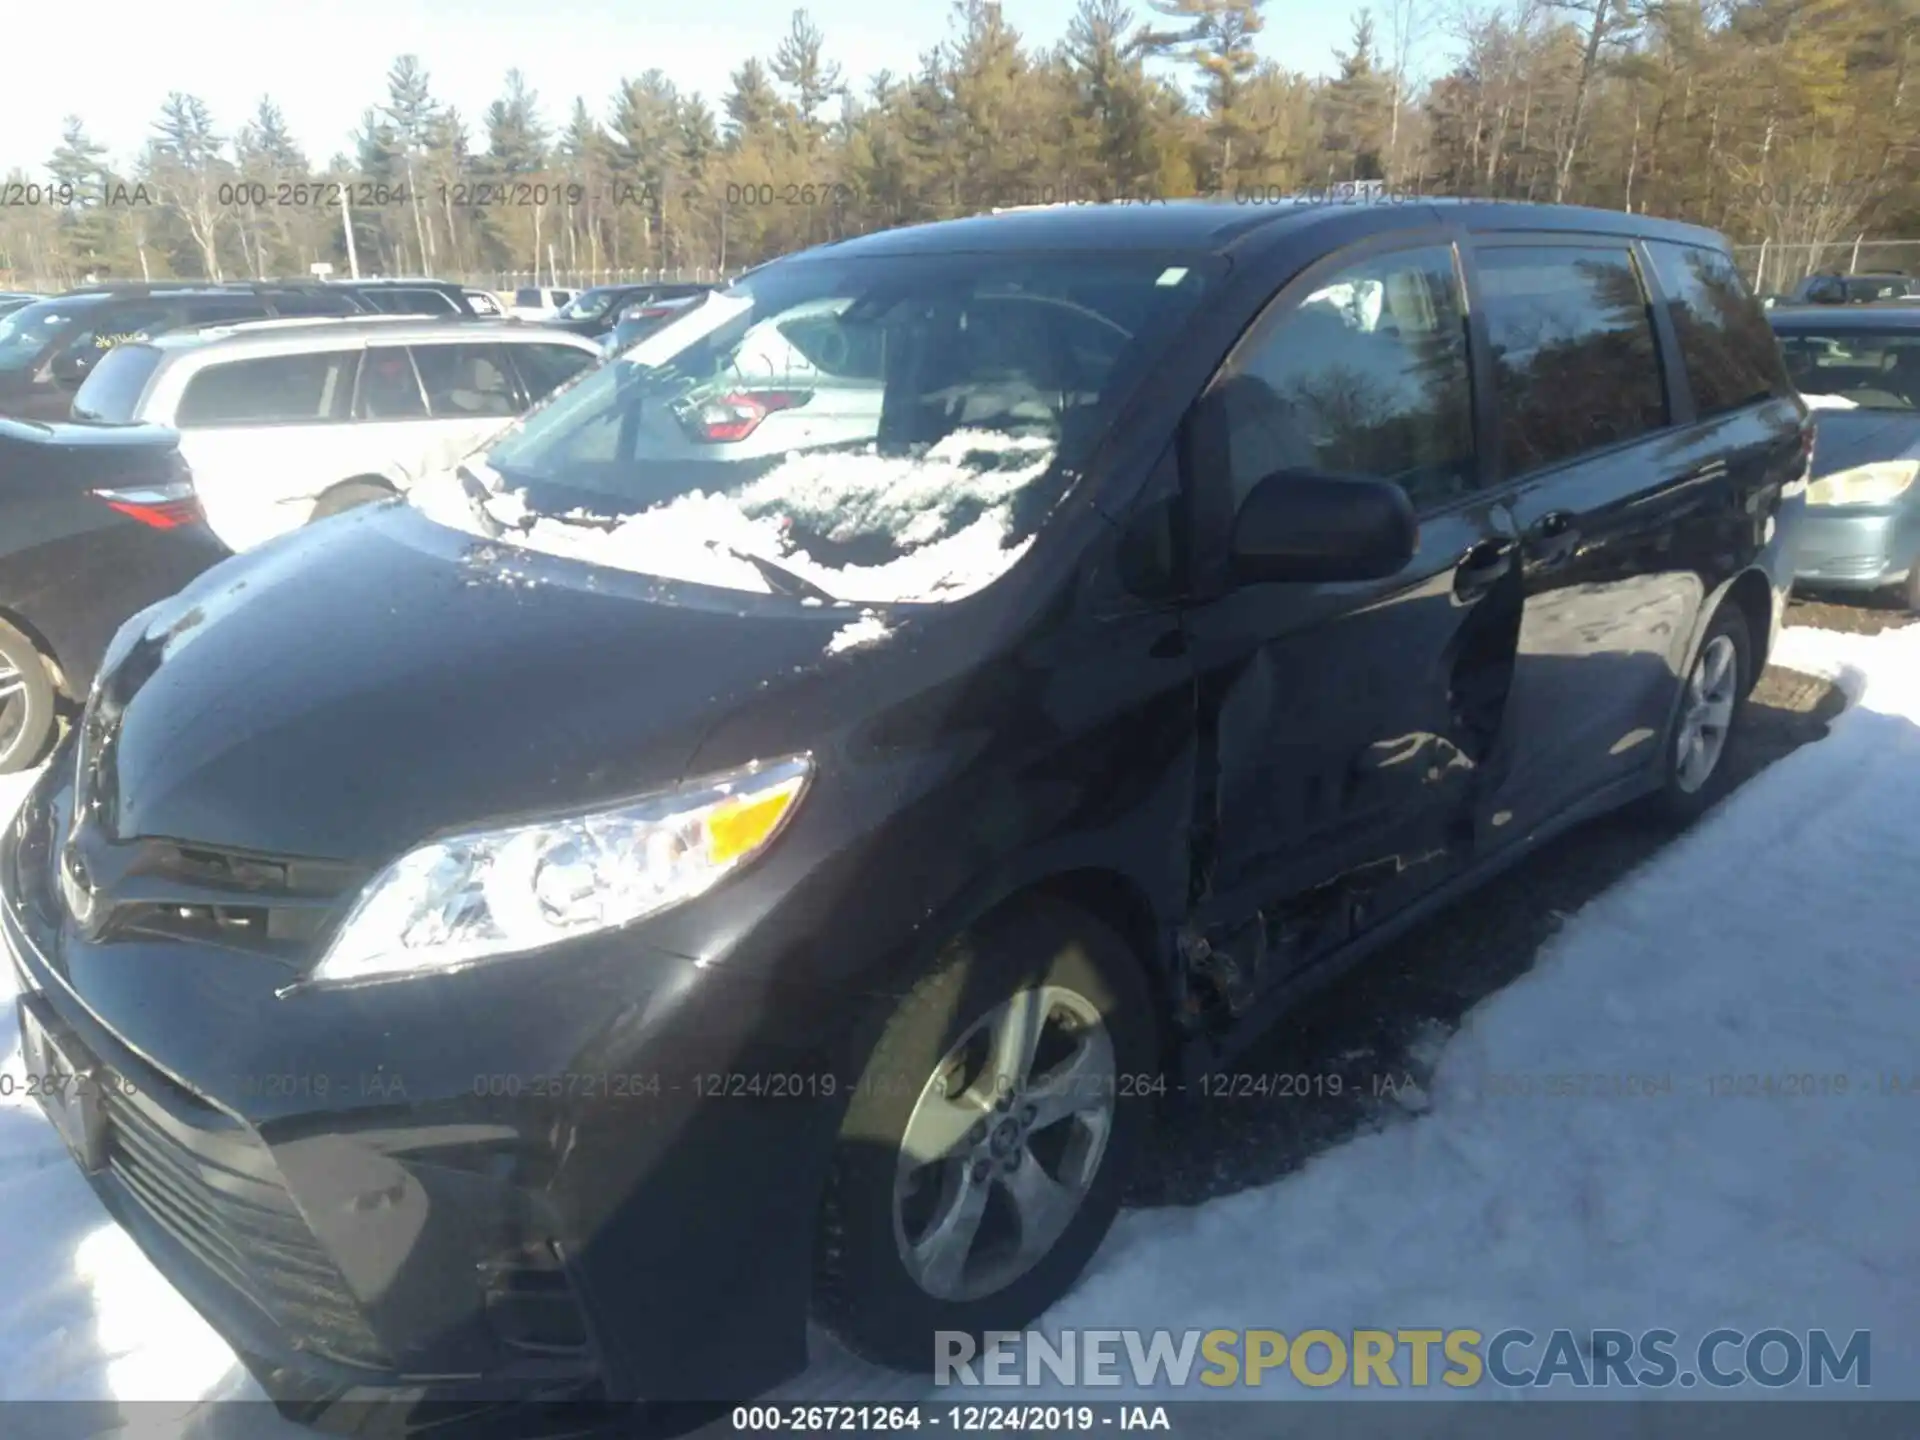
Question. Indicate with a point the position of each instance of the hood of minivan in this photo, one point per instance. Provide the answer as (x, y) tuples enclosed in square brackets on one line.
[(352, 688), (1846, 438)]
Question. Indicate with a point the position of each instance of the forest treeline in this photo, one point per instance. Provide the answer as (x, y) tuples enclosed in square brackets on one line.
[(1789, 121)]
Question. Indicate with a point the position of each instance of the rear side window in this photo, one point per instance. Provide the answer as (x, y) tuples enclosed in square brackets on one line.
[(1573, 349), (466, 381), (268, 390), (318, 304), (1726, 345), (545, 368), (111, 395), (411, 302), (224, 311), (389, 389), (526, 297), (119, 325)]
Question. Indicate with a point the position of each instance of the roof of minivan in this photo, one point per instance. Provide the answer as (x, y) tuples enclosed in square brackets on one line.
[(281, 336), (1218, 225)]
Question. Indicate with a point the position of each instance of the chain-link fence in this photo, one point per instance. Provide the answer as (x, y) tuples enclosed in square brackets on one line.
[(1774, 269)]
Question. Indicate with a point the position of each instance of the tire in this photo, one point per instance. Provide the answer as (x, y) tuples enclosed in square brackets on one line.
[(28, 713), (350, 496), (1685, 794), (865, 1291), (1910, 592)]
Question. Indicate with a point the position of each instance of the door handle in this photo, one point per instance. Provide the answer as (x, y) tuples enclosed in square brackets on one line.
[(1481, 568), (1552, 540)]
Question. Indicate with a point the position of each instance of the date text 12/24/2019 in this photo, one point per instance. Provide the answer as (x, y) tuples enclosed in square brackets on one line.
[(815, 1419), (457, 195)]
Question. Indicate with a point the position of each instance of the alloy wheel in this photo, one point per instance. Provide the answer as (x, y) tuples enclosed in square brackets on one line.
[(13, 706), (1003, 1143), (1707, 714)]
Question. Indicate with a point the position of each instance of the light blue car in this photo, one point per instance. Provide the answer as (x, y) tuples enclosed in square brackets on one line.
[(1858, 367)]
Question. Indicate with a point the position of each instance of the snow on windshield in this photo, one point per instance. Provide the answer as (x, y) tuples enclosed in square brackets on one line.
[(948, 510)]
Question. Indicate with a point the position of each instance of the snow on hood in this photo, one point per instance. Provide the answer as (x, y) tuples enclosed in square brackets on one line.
[(869, 629), (949, 509), (1829, 402)]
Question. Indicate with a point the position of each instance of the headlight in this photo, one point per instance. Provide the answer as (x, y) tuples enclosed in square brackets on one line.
[(1874, 484), (472, 897)]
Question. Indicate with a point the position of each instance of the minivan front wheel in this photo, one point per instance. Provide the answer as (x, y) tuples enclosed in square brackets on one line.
[(984, 1152), (28, 716)]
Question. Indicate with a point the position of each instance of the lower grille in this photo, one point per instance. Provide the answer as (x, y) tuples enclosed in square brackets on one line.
[(1849, 567), (216, 1191)]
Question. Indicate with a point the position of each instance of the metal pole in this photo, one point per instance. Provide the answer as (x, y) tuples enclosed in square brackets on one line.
[(1853, 265), (346, 225)]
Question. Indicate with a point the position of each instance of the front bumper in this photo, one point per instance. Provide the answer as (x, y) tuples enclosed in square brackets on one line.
[(1856, 548), (482, 1188)]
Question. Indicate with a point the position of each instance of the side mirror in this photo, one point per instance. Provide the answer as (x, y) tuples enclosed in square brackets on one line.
[(1301, 525)]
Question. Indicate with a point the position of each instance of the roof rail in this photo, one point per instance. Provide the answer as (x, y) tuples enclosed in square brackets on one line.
[(165, 287), (296, 322)]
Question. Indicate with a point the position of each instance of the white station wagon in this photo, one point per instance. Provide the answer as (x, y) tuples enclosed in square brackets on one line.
[(286, 421)]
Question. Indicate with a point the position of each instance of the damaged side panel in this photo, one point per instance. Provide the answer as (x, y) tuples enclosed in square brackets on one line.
[(1344, 735)]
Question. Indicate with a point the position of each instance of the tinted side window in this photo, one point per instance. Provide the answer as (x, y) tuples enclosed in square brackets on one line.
[(465, 381), (389, 390), (1368, 376), (545, 368), (411, 302), (270, 390), (224, 311), (526, 297), (116, 325), (1826, 291), (1573, 351), (317, 304), (1729, 351)]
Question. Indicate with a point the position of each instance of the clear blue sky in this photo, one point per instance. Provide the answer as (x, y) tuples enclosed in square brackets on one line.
[(325, 63)]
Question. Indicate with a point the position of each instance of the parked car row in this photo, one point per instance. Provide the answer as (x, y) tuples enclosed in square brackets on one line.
[(287, 421), (1859, 367), (781, 805)]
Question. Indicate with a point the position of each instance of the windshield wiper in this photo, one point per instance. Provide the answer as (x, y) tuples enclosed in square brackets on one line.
[(783, 580)]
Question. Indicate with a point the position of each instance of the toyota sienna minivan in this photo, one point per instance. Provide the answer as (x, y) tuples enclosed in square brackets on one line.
[(557, 932)]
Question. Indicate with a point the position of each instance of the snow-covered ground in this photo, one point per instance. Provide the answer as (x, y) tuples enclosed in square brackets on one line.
[(1777, 939)]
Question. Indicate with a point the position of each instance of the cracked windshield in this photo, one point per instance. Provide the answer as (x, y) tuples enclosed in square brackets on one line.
[(888, 431)]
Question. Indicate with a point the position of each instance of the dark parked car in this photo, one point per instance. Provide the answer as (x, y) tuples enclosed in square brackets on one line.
[(49, 347), (1852, 289), (640, 319), (596, 311), (95, 525), (1860, 370), (419, 297), (562, 932)]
